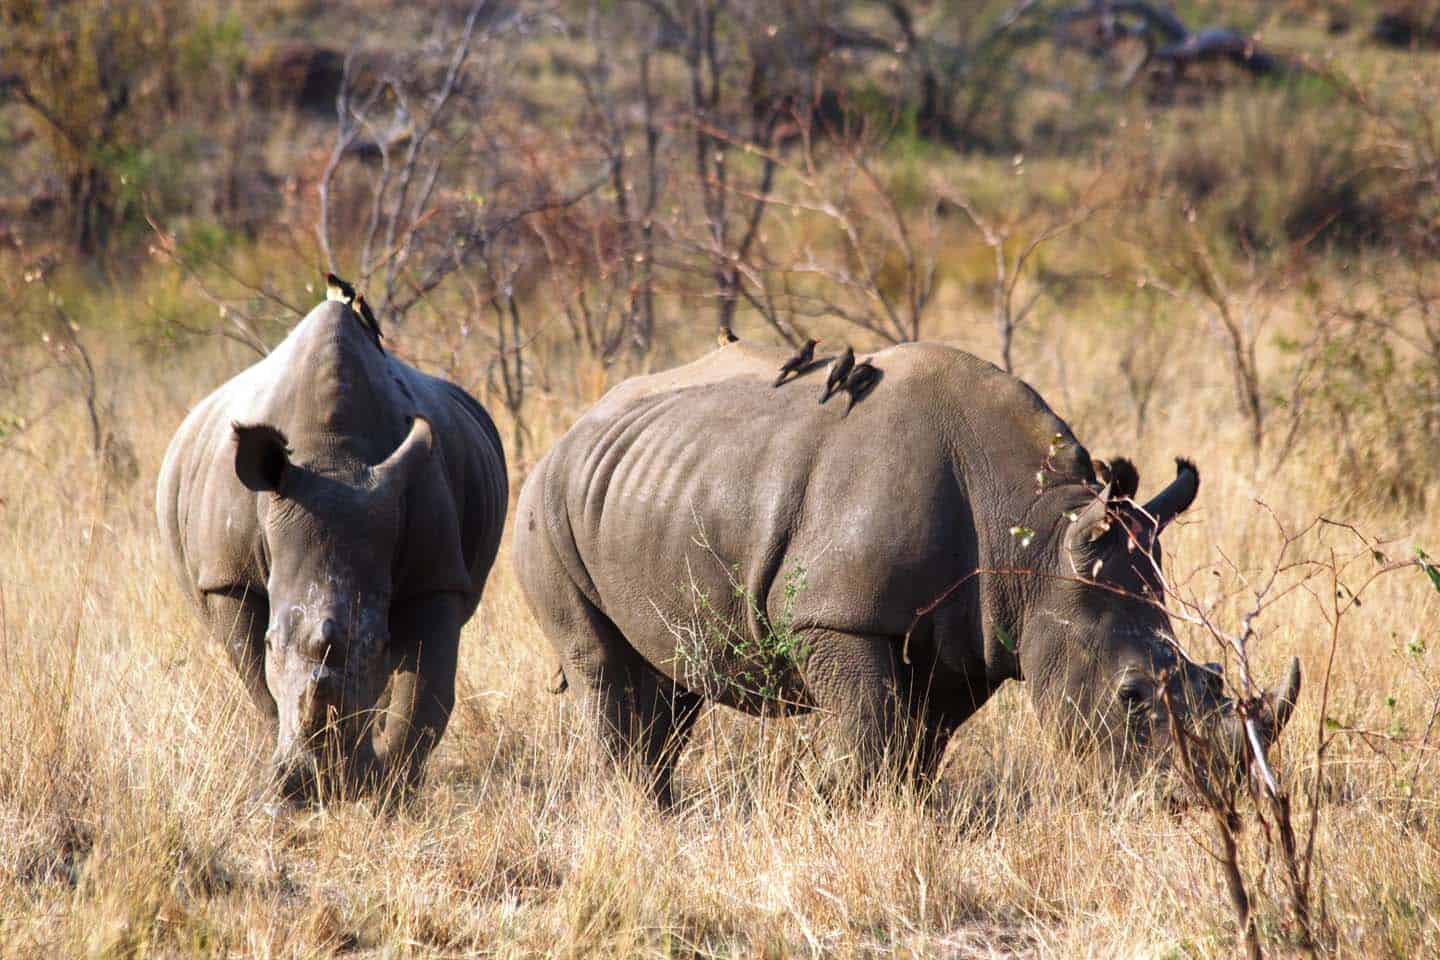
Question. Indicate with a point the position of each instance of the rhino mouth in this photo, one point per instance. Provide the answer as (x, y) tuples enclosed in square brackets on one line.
[(304, 770), (320, 753)]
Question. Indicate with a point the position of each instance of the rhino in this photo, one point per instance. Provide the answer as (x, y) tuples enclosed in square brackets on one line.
[(701, 536), (333, 514)]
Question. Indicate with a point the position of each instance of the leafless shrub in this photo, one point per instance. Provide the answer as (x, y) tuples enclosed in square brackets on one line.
[(1030, 234), (842, 242), (414, 212), (1187, 270), (1333, 576)]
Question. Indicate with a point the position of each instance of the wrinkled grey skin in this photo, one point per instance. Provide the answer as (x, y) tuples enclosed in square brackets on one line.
[(887, 507), (337, 572)]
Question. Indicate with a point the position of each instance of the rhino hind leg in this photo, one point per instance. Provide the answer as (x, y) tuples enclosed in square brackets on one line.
[(642, 717)]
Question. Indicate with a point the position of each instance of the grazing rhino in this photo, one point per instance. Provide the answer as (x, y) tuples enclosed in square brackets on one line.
[(333, 513), (699, 535)]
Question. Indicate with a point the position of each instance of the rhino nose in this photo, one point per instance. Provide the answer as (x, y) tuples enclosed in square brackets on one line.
[(325, 682), (324, 644)]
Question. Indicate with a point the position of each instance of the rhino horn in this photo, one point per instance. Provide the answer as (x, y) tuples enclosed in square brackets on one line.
[(1281, 699), (413, 450), (321, 694), (1177, 497)]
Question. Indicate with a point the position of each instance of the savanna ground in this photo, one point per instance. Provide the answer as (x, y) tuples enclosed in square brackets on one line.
[(1241, 272)]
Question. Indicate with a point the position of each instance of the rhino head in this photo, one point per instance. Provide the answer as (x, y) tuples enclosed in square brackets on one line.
[(330, 539), (1097, 645)]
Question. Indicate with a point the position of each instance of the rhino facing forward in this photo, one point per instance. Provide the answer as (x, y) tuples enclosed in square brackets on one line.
[(684, 509), (333, 514)]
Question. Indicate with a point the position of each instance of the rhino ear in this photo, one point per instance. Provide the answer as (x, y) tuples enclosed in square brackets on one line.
[(413, 450), (1093, 522), (262, 456), (1119, 475), (1125, 478)]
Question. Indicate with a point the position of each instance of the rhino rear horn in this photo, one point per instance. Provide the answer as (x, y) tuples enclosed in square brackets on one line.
[(1176, 498), (262, 455)]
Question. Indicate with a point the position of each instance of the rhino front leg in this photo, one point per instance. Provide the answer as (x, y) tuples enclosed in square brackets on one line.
[(888, 721), (425, 638), (939, 712), (238, 618), (855, 679)]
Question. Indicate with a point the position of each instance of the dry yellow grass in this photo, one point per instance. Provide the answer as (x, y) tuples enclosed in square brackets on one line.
[(129, 757)]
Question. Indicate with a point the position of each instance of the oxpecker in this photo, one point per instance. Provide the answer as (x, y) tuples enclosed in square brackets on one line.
[(839, 370), (860, 382), (797, 363), (337, 289), (367, 317)]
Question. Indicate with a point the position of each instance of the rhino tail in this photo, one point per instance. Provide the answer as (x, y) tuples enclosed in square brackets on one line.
[(559, 683)]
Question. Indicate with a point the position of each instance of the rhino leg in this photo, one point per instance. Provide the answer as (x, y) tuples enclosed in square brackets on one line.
[(642, 716), (855, 679), (239, 619), (425, 640), (939, 711), (934, 736)]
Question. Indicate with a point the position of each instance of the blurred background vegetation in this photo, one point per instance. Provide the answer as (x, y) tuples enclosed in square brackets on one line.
[(524, 188)]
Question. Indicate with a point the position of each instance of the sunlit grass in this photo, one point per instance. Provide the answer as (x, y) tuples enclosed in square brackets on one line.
[(131, 822)]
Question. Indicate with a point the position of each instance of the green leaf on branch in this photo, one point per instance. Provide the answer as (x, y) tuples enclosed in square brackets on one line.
[(1429, 567), (1003, 635)]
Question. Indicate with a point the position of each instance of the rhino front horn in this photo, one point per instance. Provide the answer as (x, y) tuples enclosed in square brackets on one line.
[(321, 693), (1281, 700)]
